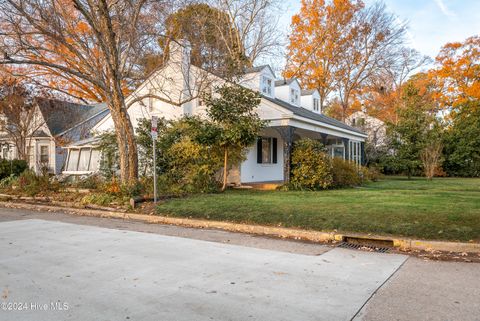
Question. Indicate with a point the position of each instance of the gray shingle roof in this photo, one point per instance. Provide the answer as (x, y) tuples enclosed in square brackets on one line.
[(308, 92), (90, 141), (62, 115), (283, 82), (302, 112)]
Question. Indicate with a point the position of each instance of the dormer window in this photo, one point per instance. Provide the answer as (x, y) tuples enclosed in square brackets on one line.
[(294, 96), (267, 84), (316, 104)]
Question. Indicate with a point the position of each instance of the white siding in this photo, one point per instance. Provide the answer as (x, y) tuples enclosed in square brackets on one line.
[(251, 171)]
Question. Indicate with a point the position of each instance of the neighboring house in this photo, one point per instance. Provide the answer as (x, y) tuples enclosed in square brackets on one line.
[(55, 124), (291, 114), (373, 127)]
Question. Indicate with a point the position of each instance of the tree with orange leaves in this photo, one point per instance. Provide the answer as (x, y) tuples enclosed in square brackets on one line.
[(336, 46), (88, 49), (457, 75)]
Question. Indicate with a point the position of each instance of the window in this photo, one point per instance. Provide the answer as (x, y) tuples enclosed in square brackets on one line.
[(316, 104), (84, 159), (44, 155), (267, 85), (95, 160), (294, 96), (267, 150), (73, 160), (337, 151), (5, 152)]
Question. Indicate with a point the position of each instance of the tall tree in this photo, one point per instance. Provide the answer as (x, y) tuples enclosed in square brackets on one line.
[(232, 110), (20, 116), (382, 93), (457, 74), (415, 129), (213, 38), (255, 24), (93, 44), (462, 142), (336, 46), (319, 33)]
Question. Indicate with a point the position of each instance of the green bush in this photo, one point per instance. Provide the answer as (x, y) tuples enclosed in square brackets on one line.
[(346, 173), (192, 168), (32, 184), (102, 199), (12, 167), (8, 181), (311, 166), (129, 190), (90, 182), (187, 161), (371, 173)]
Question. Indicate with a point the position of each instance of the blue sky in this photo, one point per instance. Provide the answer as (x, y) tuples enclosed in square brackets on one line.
[(432, 23)]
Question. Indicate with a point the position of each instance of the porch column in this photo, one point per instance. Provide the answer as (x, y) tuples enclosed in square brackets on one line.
[(362, 153), (324, 139), (346, 142), (286, 132)]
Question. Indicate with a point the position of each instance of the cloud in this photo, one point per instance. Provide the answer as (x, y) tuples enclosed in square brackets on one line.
[(444, 8)]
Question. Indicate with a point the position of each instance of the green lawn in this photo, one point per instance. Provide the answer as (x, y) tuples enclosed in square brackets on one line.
[(445, 208)]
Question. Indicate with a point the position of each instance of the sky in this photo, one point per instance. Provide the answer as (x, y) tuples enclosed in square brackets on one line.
[(431, 23)]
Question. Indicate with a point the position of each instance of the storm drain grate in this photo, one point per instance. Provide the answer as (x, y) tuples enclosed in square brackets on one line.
[(367, 247)]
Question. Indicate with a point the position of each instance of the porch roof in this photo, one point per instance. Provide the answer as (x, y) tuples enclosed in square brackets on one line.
[(88, 142), (302, 112)]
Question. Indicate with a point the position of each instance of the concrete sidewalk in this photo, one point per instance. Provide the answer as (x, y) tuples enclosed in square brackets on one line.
[(419, 290), (107, 274)]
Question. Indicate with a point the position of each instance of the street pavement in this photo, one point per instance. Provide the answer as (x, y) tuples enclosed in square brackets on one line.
[(63, 267)]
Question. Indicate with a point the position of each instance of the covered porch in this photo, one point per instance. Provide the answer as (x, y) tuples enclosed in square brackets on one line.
[(268, 161)]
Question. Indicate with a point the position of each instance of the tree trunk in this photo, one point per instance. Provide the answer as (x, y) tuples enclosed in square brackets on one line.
[(132, 156), (125, 134), (225, 170), (121, 143), (344, 110)]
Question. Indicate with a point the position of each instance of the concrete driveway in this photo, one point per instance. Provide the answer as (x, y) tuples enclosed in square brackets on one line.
[(52, 270)]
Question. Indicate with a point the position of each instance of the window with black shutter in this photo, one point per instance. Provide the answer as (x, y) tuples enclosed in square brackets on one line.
[(267, 150)]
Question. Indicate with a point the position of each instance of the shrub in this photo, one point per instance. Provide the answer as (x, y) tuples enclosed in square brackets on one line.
[(112, 187), (33, 184), (311, 166), (131, 190), (372, 173), (346, 173), (12, 167), (89, 182), (8, 181), (102, 199), (191, 168)]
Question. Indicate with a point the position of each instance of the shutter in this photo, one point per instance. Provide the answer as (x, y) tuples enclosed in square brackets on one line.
[(259, 150), (274, 150)]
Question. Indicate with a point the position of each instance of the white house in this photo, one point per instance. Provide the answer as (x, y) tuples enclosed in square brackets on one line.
[(53, 123), (375, 128), (291, 114)]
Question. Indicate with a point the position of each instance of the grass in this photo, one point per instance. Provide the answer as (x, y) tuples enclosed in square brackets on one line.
[(444, 209)]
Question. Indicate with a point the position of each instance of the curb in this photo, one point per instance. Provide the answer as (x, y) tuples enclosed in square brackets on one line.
[(280, 232)]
